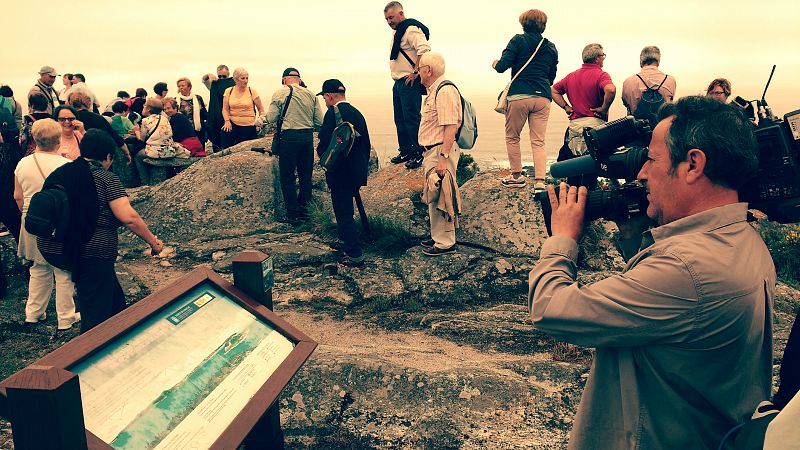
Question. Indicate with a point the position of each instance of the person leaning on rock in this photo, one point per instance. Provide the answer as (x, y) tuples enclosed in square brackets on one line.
[(348, 175), (437, 132), (684, 334), (296, 160)]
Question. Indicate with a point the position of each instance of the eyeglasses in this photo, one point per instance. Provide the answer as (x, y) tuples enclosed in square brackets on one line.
[(66, 119), (420, 67)]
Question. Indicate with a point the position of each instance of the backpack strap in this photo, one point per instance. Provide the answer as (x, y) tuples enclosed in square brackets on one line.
[(154, 129), (41, 172), (646, 86), (279, 125), (662, 82), (253, 101), (337, 114)]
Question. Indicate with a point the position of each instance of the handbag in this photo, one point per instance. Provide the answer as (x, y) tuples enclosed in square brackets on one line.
[(418, 81), (502, 99), (275, 149)]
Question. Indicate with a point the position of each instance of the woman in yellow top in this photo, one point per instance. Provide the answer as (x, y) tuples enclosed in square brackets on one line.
[(239, 105)]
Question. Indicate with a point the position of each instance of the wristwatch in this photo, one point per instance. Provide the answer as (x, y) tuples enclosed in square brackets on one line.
[(444, 155)]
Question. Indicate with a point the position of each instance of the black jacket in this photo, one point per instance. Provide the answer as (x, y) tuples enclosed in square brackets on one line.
[(93, 120), (351, 172), (538, 77), (215, 99)]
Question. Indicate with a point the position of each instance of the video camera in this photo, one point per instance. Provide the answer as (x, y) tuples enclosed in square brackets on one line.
[(617, 150)]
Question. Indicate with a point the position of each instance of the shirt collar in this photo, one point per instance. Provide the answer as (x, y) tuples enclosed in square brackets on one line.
[(590, 66), (340, 101), (701, 222), (436, 83), (650, 68)]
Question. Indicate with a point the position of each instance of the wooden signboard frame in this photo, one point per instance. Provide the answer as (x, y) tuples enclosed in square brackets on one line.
[(99, 337)]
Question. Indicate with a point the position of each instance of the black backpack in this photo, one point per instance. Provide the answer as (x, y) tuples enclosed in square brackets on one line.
[(48, 213), (651, 101), (8, 126)]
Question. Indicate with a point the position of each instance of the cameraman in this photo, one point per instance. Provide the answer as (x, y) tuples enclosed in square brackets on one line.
[(684, 334)]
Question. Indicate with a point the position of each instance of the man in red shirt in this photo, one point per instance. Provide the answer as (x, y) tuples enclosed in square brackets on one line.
[(590, 92)]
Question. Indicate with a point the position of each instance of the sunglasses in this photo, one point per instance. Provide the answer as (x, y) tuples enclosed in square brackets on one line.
[(66, 119)]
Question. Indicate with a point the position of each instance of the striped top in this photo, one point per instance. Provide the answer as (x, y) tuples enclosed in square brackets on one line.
[(439, 110), (104, 241)]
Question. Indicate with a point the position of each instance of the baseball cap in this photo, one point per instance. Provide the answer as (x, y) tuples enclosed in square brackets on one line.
[(332, 86), (291, 72), (48, 70)]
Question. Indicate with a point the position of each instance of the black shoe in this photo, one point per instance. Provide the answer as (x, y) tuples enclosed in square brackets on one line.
[(414, 163), (436, 251), (350, 262), (401, 158), (427, 243)]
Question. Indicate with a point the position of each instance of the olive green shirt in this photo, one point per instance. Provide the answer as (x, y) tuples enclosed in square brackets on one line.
[(683, 334), (303, 112)]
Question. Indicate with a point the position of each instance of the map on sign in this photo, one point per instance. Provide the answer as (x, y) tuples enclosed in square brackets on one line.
[(178, 380)]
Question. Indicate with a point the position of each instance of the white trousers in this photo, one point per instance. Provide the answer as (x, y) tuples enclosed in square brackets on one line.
[(41, 286)]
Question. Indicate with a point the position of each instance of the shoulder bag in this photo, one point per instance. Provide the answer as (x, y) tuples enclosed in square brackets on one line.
[(275, 149), (502, 99)]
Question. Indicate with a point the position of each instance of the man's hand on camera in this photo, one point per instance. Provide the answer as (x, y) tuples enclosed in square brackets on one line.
[(568, 210)]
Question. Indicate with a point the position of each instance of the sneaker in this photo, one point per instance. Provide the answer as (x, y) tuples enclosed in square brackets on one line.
[(427, 243), (401, 158), (36, 320), (414, 163), (436, 251), (4, 231), (511, 182), (352, 262), (539, 187)]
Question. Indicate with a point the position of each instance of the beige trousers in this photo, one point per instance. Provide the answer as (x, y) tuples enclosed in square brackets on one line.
[(535, 111), (443, 232)]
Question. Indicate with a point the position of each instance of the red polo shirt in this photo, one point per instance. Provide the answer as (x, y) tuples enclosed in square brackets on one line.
[(584, 87)]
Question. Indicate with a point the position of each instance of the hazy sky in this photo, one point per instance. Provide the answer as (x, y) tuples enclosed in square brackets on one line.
[(124, 44)]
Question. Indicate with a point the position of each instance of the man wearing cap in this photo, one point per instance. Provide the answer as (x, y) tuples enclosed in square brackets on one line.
[(409, 41), (349, 174), (296, 147), (44, 86)]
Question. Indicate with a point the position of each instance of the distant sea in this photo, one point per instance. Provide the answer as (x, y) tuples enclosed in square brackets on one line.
[(490, 148)]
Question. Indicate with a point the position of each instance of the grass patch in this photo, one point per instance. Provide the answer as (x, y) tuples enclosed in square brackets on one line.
[(387, 237), (467, 168), (783, 242)]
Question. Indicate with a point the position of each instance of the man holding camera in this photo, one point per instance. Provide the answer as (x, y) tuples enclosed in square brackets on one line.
[(684, 334)]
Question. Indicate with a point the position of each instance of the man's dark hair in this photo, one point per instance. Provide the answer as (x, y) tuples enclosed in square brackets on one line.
[(721, 131), (141, 92), (160, 88), (119, 107), (38, 102), (97, 144), (5, 91), (80, 77), (123, 94), (68, 75)]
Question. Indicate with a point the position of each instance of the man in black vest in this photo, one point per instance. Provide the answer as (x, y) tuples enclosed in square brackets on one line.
[(410, 41), (216, 85), (349, 174)]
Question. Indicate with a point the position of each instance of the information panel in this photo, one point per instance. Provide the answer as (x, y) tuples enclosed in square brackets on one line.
[(178, 379)]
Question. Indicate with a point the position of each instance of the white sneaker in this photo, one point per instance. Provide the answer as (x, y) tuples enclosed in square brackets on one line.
[(539, 187)]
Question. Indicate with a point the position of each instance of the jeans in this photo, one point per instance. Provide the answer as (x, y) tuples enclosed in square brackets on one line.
[(237, 134), (342, 202), (407, 103), (296, 161)]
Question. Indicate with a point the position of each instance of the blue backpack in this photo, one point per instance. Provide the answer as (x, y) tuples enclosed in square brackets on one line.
[(8, 125), (467, 132)]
